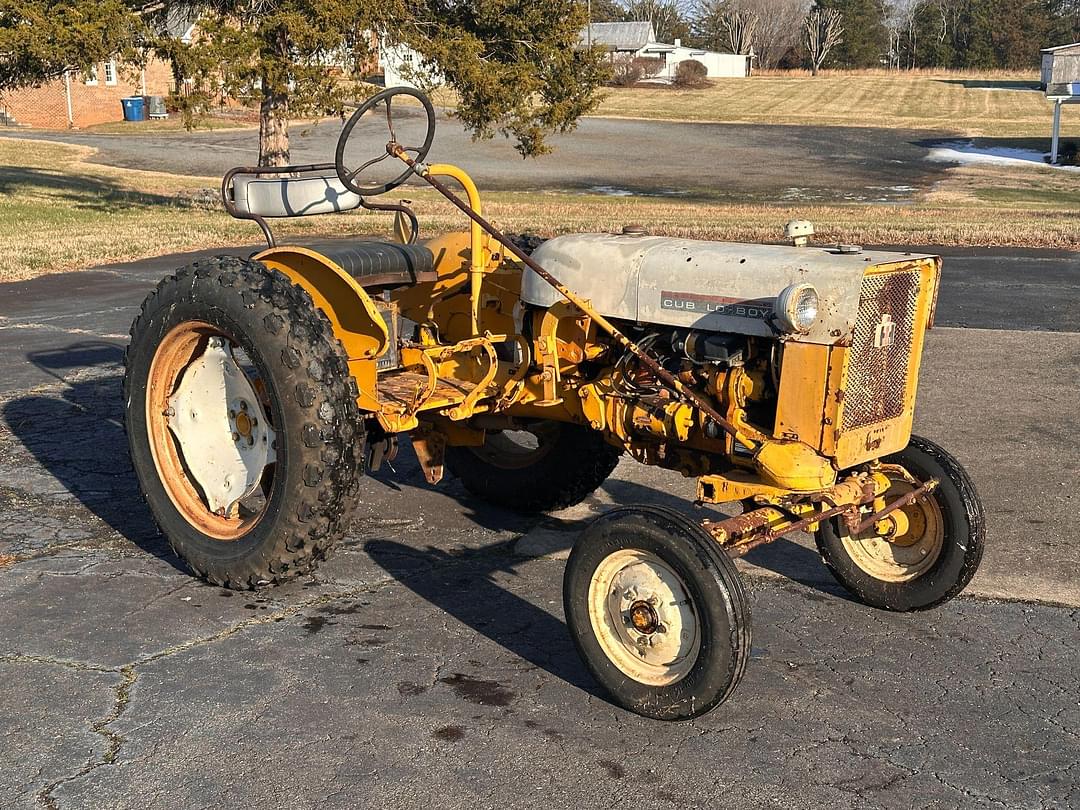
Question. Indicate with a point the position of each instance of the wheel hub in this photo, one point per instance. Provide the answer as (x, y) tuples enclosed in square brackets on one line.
[(903, 545), (220, 427), (643, 617)]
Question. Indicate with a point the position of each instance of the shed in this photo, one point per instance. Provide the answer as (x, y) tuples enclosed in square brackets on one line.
[(716, 64), (1060, 65)]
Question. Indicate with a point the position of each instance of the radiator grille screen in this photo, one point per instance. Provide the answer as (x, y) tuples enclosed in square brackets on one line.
[(877, 376)]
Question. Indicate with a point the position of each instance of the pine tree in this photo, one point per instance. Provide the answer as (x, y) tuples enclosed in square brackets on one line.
[(42, 39), (515, 65), (866, 40)]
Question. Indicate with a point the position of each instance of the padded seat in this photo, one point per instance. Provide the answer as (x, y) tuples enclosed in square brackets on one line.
[(380, 264)]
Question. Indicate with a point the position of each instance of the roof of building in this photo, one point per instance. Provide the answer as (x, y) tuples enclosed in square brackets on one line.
[(1060, 48), (619, 36), (180, 23)]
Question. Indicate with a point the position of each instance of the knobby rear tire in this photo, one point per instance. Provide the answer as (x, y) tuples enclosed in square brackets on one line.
[(320, 435)]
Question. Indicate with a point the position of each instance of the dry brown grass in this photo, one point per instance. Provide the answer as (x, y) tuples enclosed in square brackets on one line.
[(994, 104), (85, 214)]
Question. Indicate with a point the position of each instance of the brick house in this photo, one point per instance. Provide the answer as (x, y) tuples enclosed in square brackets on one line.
[(81, 100), (84, 99)]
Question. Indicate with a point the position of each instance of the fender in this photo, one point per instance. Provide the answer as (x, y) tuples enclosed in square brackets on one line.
[(353, 315)]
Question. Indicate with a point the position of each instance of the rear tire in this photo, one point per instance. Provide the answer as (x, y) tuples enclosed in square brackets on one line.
[(938, 555), (303, 388), (568, 463), (656, 610)]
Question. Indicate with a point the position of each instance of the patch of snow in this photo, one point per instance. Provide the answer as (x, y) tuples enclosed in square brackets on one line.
[(967, 153)]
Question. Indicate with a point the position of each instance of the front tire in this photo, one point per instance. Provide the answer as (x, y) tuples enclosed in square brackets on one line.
[(656, 610), (242, 422), (936, 550), (546, 466)]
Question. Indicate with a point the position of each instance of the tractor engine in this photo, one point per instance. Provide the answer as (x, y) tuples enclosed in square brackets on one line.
[(819, 346)]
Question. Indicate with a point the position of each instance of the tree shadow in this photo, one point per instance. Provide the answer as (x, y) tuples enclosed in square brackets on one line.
[(78, 437), (84, 191), (993, 84)]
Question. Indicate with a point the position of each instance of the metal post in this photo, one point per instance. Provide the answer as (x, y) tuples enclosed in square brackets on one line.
[(67, 97), (1057, 133)]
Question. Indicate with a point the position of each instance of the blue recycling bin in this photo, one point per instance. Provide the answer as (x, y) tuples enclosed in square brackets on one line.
[(134, 108)]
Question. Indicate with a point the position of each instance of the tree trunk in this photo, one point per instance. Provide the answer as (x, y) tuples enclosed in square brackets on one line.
[(274, 129), (813, 68)]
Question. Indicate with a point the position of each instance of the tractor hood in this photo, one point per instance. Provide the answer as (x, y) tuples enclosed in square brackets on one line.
[(712, 286)]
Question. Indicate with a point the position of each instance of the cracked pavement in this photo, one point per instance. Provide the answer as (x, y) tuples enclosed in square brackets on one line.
[(427, 663)]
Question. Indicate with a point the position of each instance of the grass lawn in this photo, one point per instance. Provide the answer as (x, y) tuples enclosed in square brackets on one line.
[(989, 105), (174, 123), (59, 212)]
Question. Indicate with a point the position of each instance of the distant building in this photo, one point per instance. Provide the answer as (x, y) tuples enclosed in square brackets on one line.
[(718, 65), (1061, 80), (1060, 65), (638, 39), (616, 38), (83, 99)]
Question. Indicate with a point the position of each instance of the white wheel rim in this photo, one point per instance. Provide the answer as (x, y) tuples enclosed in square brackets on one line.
[(206, 472), (909, 555), (221, 428), (643, 617)]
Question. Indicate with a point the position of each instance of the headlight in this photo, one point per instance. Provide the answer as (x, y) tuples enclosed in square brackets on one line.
[(797, 307)]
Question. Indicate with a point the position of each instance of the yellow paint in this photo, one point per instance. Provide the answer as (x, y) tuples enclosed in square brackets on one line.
[(794, 466), (352, 313), (801, 402), (477, 264)]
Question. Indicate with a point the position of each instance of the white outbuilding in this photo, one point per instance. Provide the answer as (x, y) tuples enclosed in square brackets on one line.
[(718, 65)]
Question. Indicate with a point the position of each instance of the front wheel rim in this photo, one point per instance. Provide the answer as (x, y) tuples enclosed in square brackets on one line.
[(643, 617), (209, 431), (909, 554)]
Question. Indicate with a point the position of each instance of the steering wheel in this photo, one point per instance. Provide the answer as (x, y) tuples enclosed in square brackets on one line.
[(349, 177)]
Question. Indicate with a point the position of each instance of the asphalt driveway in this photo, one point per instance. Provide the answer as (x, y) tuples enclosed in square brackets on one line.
[(737, 162), (427, 664)]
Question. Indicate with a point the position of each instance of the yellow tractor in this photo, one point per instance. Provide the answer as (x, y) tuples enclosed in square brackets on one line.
[(782, 377)]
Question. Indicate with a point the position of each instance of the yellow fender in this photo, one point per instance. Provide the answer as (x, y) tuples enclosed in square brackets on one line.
[(353, 315)]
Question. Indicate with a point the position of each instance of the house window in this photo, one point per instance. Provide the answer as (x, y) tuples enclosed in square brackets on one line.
[(91, 75), (110, 72)]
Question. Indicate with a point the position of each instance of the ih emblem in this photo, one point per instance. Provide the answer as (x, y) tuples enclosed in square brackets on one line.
[(884, 332)]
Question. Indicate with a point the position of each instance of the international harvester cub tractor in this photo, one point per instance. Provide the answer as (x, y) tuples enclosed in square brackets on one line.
[(781, 377)]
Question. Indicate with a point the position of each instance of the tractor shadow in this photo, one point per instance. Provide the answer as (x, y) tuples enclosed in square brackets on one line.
[(77, 436), (464, 585)]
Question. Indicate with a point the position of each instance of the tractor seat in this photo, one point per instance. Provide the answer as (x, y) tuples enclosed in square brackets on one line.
[(250, 194), (380, 264)]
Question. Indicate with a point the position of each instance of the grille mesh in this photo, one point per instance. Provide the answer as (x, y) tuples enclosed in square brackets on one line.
[(876, 388)]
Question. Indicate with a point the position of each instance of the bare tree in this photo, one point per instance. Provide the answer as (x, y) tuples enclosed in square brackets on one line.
[(740, 27), (777, 31), (824, 31), (781, 23)]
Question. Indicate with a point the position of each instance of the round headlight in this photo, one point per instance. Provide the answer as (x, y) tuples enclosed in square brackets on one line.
[(797, 307)]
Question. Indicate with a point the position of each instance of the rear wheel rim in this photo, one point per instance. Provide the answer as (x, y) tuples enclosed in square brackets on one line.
[(227, 436), (518, 449), (644, 618), (912, 551)]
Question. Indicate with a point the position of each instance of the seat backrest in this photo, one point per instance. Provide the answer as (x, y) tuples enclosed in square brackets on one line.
[(291, 196)]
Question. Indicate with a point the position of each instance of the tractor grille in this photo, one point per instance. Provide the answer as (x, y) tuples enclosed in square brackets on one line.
[(877, 376)]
